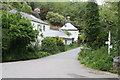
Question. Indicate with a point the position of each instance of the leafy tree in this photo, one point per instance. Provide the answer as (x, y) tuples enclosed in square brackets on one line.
[(17, 34), (109, 22), (92, 24), (118, 36), (55, 18), (16, 5), (49, 45), (26, 8), (5, 6), (44, 11)]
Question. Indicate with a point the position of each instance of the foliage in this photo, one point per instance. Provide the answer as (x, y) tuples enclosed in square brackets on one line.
[(16, 5), (71, 46), (75, 10), (97, 59), (118, 36), (81, 38), (49, 45), (60, 43), (17, 33), (66, 32), (26, 8), (55, 18), (91, 24), (109, 22), (44, 11), (5, 7), (35, 14)]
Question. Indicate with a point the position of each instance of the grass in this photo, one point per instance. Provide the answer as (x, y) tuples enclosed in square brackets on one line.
[(97, 59), (71, 46)]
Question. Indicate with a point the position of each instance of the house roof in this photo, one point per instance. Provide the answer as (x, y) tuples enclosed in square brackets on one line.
[(54, 33), (69, 26), (29, 17)]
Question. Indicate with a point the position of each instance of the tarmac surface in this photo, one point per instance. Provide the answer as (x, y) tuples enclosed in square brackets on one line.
[(62, 65)]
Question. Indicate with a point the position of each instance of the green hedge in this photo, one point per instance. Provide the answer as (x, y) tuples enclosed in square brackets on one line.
[(97, 59)]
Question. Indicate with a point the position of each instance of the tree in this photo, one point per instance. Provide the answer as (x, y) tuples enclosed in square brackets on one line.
[(26, 8), (55, 18), (118, 36), (17, 34), (91, 24), (16, 5), (49, 45)]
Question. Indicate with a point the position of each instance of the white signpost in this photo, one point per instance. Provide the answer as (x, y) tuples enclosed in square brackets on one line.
[(108, 42)]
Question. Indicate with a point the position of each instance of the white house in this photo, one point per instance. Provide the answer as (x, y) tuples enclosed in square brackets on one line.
[(38, 24), (67, 39), (45, 31)]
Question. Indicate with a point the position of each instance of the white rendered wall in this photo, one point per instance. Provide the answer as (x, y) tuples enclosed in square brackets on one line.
[(74, 34), (47, 27), (69, 41), (40, 27)]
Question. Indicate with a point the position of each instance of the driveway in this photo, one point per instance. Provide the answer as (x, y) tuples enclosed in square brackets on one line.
[(62, 65)]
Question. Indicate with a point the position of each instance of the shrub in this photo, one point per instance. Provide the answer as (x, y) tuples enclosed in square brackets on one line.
[(81, 38), (97, 59), (49, 45), (60, 43)]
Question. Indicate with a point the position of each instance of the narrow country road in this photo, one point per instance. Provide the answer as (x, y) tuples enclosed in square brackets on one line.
[(63, 65)]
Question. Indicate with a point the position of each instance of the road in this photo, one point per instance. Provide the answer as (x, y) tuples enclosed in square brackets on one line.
[(62, 65)]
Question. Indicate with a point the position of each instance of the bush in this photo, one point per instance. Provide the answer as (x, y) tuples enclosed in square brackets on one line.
[(49, 44), (81, 38), (32, 52), (97, 59), (17, 34), (60, 43)]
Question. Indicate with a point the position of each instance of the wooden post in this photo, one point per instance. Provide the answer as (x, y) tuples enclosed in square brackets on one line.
[(109, 43)]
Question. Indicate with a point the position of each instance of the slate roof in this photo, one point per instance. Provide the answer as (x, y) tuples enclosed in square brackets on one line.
[(29, 17), (54, 33), (69, 26)]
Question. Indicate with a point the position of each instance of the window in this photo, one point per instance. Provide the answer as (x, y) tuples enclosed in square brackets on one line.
[(65, 41), (44, 27), (39, 27), (33, 24), (72, 40)]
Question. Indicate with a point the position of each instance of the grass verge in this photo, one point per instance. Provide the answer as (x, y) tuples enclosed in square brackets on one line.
[(97, 59), (33, 53)]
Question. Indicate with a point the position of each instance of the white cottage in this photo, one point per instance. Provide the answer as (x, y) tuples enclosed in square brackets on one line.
[(38, 24), (67, 39), (71, 29)]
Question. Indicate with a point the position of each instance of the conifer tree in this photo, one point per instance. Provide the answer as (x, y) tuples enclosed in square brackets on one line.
[(92, 24)]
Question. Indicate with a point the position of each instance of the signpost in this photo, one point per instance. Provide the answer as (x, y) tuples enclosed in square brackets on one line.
[(108, 42)]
